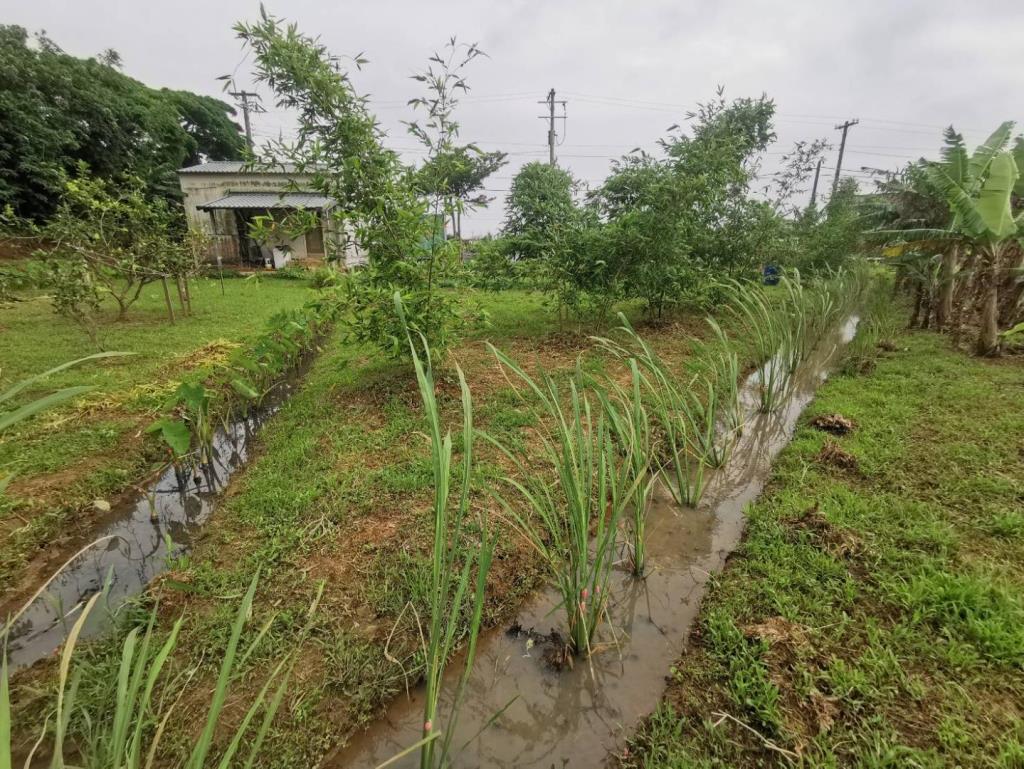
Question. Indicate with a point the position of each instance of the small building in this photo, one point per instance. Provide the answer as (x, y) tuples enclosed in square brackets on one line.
[(222, 197)]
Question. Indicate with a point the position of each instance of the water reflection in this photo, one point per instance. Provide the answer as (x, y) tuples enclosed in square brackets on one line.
[(141, 535)]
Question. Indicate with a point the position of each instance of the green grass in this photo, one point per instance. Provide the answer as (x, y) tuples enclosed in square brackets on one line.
[(891, 594), (341, 490), (92, 448)]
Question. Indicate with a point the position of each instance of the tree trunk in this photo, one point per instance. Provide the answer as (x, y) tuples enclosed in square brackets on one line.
[(988, 334), (1012, 290), (918, 302), (962, 294), (181, 295), (167, 300), (947, 282), (122, 306)]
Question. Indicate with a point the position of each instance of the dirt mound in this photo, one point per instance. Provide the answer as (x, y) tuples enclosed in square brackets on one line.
[(834, 455), (838, 542), (836, 424)]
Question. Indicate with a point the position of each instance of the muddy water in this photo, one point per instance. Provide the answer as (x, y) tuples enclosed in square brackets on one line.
[(576, 718), (138, 537)]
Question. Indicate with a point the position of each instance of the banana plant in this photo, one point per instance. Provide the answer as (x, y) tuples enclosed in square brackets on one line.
[(977, 190), (984, 217)]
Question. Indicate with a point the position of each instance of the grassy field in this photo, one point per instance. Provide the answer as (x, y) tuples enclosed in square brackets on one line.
[(94, 447), (340, 493), (873, 616)]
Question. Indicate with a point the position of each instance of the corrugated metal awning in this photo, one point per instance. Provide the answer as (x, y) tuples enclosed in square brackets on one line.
[(268, 200)]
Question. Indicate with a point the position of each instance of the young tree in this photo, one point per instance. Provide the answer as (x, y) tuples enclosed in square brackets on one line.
[(120, 236), (458, 175), (340, 145), (110, 240), (683, 220)]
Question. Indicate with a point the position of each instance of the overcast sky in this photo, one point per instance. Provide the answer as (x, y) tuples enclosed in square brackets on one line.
[(628, 69)]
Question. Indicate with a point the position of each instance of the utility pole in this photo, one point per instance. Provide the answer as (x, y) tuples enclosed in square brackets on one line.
[(814, 189), (842, 148), (550, 117), (247, 101)]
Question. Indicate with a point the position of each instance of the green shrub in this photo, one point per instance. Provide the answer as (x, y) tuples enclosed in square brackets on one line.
[(324, 277), (292, 272)]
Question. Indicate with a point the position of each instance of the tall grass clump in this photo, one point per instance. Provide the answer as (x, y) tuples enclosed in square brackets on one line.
[(571, 522), (880, 324), (630, 423), (786, 324), (771, 332), (452, 561), (120, 724), (689, 415), (719, 415)]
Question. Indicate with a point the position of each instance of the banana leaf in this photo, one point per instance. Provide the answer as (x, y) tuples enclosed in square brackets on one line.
[(985, 153), (993, 204)]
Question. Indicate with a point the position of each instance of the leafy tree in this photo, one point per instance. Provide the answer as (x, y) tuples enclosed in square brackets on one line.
[(110, 241), (110, 58), (539, 206), (57, 110), (676, 220), (716, 167), (649, 232), (567, 243), (826, 239)]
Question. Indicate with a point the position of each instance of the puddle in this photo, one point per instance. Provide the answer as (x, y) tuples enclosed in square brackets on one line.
[(142, 533), (578, 717)]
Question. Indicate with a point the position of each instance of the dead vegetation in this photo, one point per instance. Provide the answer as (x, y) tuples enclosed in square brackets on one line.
[(835, 424)]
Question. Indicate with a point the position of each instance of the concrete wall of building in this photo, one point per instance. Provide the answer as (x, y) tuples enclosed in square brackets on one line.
[(221, 225)]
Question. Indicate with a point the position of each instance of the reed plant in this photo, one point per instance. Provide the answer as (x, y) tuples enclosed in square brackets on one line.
[(572, 521), (121, 724), (630, 423), (771, 338), (453, 589), (715, 417), (686, 424), (786, 325)]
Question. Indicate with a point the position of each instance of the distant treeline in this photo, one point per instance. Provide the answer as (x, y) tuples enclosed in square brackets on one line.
[(57, 111)]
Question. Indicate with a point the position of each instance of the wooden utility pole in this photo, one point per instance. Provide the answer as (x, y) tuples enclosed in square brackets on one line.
[(814, 189), (550, 117), (247, 101), (845, 126)]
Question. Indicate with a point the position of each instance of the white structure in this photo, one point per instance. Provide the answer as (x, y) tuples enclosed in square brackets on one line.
[(222, 197)]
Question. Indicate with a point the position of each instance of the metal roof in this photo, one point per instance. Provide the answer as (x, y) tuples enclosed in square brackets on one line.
[(268, 200), (238, 167)]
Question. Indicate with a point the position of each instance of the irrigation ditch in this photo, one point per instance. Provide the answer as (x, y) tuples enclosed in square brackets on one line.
[(142, 533), (522, 705), (209, 429)]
